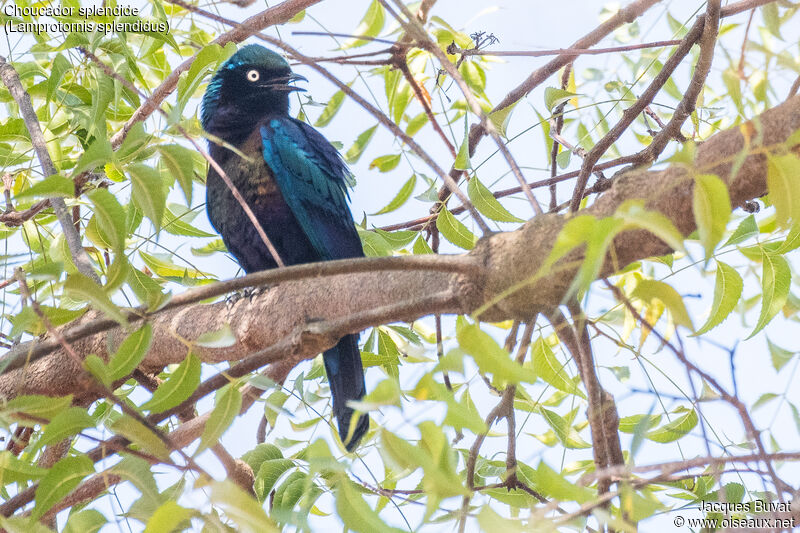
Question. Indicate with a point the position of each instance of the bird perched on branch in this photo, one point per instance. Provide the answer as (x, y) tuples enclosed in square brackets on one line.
[(294, 181)]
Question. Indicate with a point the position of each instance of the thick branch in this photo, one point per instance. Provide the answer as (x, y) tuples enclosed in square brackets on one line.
[(508, 286)]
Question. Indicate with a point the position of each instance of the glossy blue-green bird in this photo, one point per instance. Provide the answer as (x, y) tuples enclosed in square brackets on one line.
[(295, 182)]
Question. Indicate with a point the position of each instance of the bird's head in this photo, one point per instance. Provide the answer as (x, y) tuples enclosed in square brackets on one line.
[(254, 82)]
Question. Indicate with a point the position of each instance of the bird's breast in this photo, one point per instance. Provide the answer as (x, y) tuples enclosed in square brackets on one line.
[(255, 181)]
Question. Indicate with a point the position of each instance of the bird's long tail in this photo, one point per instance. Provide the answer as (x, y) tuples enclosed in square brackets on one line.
[(346, 378)]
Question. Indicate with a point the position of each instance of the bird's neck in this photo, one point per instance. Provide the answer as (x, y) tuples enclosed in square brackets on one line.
[(235, 122)]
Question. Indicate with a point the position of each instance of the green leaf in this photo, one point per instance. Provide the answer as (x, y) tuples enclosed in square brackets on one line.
[(386, 392), (146, 289), (228, 404), (454, 231), (148, 192), (421, 246), (772, 20), (268, 474), (59, 481), (54, 186), (783, 183), (733, 86), (138, 433), (401, 197), (727, 291), (110, 218), (64, 425), (356, 514), (490, 357), (554, 97), (331, 108), (501, 118), (180, 162), (205, 60), (241, 508), (169, 270), (134, 147), (780, 356), (36, 406), (550, 369), (567, 434), (385, 163), (97, 154), (168, 517), (138, 472), (635, 214), (262, 452), (397, 239), (60, 66), (672, 431), (462, 161), (102, 96), (86, 521), (81, 288), (217, 245), (776, 279), (648, 289), (180, 384), (747, 228), (370, 26), (221, 338), (354, 153), (97, 368), (463, 414), (130, 352), (488, 520), (474, 75), (485, 202), (434, 454), (551, 483), (630, 424), (178, 225), (712, 210), (415, 124), (764, 399), (603, 233), (14, 470)]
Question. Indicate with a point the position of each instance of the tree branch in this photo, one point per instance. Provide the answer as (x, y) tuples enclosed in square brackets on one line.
[(501, 278), (14, 85)]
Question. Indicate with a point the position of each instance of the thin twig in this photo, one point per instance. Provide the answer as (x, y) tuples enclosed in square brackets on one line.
[(689, 100), (574, 52)]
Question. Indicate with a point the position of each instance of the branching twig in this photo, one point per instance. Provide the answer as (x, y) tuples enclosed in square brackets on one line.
[(734, 401), (689, 100), (20, 95), (630, 114), (454, 49), (415, 29)]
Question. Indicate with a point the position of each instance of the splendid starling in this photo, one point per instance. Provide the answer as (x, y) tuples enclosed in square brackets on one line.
[(295, 182)]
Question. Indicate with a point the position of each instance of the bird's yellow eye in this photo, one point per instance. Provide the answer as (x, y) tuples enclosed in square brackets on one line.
[(253, 75)]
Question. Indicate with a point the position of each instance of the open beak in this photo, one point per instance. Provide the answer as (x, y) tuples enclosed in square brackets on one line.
[(296, 77)]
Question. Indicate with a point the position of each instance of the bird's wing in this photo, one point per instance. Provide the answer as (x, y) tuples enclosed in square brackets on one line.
[(313, 181)]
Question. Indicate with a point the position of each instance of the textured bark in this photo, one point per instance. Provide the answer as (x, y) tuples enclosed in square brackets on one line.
[(508, 259)]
